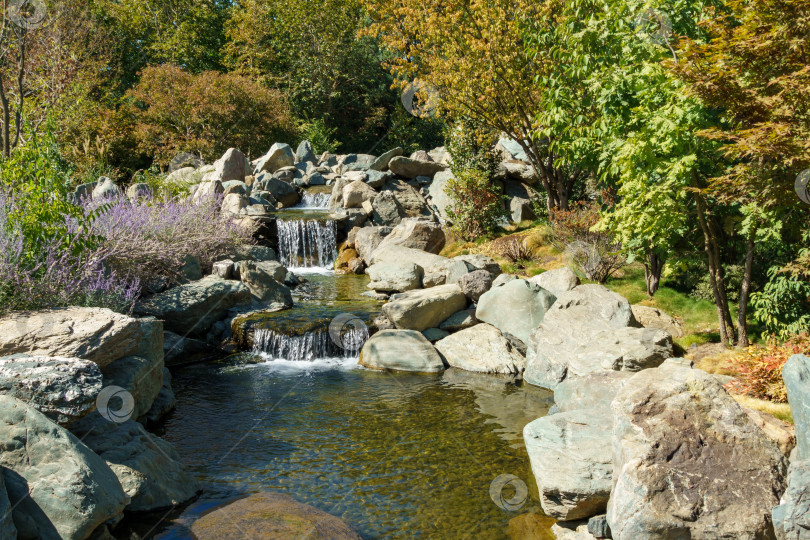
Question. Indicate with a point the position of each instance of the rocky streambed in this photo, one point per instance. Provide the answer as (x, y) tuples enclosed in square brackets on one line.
[(407, 395)]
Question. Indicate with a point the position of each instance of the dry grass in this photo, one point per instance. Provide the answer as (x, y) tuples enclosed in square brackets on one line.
[(779, 410)]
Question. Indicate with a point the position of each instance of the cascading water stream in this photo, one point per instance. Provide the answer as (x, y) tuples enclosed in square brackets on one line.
[(314, 201), (307, 243), (312, 346)]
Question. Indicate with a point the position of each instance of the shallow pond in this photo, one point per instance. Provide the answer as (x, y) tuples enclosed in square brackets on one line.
[(395, 455)]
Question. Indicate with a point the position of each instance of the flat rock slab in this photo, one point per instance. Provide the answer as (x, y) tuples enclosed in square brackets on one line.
[(593, 391), (688, 462), (557, 352), (72, 490), (194, 307), (424, 308), (483, 349), (95, 334), (572, 462), (270, 516), (63, 389), (400, 350)]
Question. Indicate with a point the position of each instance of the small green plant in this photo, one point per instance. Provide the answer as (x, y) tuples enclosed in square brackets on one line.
[(477, 200), (320, 135)]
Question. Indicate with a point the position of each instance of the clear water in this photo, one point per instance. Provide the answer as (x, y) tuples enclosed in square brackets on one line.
[(395, 455)]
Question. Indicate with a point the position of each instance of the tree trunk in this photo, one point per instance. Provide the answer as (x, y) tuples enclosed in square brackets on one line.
[(653, 267), (715, 273), (745, 290), (6, 119)]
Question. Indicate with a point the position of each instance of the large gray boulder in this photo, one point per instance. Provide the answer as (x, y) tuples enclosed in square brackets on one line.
[(475, 284), (424, 308), (588, 329), (572, 462), (63, 389), (270, 515), (595, 302), (386, 210), (437, 191), (400, 350), (558, 281), (394, 277), (148, 468), (206, 190), (460, 321), (558, 351), (194, 307), (650, 317), (368, 239), (305, 153), (381, 163), (481, 262), (796, 375), (516, 308), (283, 192), (411, 168), (356, 193), (265, 281), (481, 348), (95, 334), (412, 202), (58, 488), (417, 234), (280, 155), (435, 267), (141, 377), (791, 519), (688, 462), (233, 203), (231, 166), (592, 391)]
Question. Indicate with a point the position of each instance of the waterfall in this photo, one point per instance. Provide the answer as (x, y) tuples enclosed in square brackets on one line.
[(315, 201), (307, 243), (311, 346)]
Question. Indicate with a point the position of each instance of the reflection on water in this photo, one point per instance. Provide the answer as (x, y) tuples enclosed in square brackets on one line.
[(396, 455)]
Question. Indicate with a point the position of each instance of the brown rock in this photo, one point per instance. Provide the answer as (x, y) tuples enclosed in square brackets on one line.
[(270, 516)]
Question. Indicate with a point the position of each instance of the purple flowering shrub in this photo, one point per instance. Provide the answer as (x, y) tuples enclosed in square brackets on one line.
[(59, 267), (150, 238)]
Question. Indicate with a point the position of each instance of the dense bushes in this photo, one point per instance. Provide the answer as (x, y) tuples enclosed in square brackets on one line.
[(176, 111)]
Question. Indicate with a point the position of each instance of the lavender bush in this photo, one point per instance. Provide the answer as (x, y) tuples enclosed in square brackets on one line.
[(150, 238), (56, 269)]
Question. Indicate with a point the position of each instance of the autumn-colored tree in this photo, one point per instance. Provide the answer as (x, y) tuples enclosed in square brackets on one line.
[(755, 67), (474, 54), (207, 113)]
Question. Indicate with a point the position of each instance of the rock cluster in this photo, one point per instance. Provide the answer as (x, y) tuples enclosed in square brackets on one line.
[(72, 460)]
